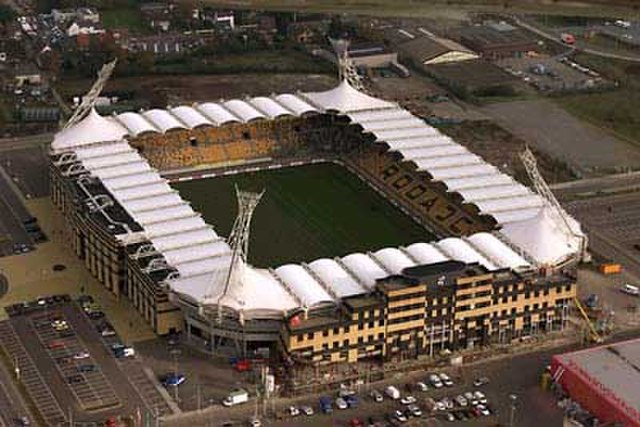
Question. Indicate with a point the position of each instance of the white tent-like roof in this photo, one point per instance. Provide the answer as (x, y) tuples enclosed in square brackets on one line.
[(498, 252), (345, 99), (92, 128), (460, 250), (542, 237)]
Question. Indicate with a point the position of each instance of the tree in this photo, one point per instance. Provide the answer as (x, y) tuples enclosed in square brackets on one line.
[(6, 14)]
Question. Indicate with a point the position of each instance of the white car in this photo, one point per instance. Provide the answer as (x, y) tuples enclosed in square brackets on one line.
[(377, 396), (480, 397), (341, 403), (415, 410), (255, 422), (81, 355), (440, 406), (293, 411), (471, 398), (461, 400), (422, 386), (446, 380), (307, 410), (483, 410), (449, 416), (448, 403), (408, 400), (400, 416), (435, 381)]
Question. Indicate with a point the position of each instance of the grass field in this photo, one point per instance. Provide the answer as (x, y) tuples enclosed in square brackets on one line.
[(306, 213)]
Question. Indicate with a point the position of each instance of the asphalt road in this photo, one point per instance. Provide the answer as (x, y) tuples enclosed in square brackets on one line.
[(11, 404), (594, 186)]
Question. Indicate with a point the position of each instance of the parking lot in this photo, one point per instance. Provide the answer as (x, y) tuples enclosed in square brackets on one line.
[(74, 365), (552, 73)]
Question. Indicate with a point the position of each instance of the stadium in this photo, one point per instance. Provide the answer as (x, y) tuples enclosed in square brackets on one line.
[(505, 251)]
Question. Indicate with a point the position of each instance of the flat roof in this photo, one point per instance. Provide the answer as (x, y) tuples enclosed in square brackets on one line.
[(615, 367)]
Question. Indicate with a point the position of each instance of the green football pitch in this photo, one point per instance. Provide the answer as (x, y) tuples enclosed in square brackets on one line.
[(307, 212)]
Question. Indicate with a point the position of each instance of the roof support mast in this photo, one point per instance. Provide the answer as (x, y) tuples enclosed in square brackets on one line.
[(346, 68), (239, 242), (542, 188), (89, 100)]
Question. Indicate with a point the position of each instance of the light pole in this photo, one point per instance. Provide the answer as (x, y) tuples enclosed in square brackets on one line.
[(512, 417)]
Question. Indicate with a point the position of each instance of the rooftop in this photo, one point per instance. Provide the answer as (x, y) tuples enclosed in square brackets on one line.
[(614, 368)]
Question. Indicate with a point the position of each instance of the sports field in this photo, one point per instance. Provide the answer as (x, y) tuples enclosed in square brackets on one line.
[(306, 213)]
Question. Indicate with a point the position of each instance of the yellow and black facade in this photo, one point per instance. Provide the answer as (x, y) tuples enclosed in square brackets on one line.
[(447, 305)]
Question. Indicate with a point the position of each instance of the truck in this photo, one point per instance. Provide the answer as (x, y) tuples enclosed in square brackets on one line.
[(236, 397), (392, 392)]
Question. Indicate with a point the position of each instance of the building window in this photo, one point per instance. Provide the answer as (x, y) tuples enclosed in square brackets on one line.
[(345, 343), (310, 335), (513, 310), (567, 288), (380, 336), (371, 324), (360, 340), (299, 338), (513, 298), (325, 333), (335, 331), (325, 346), (505, 300), (346, 329), (381, 322), (536, 306)]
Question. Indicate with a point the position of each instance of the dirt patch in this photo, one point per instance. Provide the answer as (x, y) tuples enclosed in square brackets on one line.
[(159, 91), (501, 148)]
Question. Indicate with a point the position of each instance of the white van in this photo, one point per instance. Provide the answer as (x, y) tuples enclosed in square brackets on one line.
[(630, 289), (392, 392)]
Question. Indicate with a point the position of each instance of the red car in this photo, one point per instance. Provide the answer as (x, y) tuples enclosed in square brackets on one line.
[(55, 344), (356, 422), (243, 365)]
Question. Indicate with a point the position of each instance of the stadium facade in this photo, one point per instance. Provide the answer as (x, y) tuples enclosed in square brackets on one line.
[(140, 239)]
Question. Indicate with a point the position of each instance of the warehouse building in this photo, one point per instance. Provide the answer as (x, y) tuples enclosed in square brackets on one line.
[(497, 40), (604, 380), (436, 50)]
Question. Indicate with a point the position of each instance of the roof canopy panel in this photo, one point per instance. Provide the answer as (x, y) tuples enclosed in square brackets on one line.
[(340, 281), (136, 123), (163, 120), (393, 259), (191, 117), (244, 110), (365, 268), (303, 285), (217, 113), (459, 250), (498, 251), (295, 104), (425, 253), (270, 107)]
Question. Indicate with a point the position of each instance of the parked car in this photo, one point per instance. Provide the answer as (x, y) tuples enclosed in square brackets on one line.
[(422, 386), (408, 400), (400, 416), (293, 411), (479, 382), (55, 344), (173, 380), (81, 355), (326, 405), (87, 368), (341, 403), (356, 422), (435, 381), (461, 400), (446, 380), (449, 416), (352, 401), (376, 396), (448, 402), (480, 397), (471, 398), (74, 379), (630, 290), (307, 410), (415, 410)]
